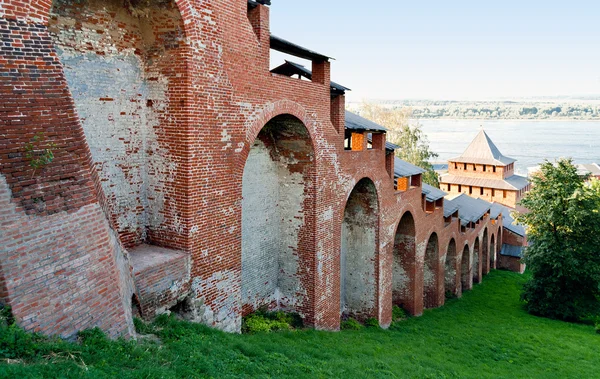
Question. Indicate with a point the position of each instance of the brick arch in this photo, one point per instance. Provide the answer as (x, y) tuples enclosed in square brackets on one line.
[(277, 200), (466, 276), (476, 261), (485, 252), (142, 134), (359, 253), (348, 193), (404, 257), (38, 12), (450, 266), (269, 112), (493, 251), (431, 271)]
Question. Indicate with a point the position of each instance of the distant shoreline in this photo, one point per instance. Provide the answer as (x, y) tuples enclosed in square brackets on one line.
[(524, 110), (554, 119)]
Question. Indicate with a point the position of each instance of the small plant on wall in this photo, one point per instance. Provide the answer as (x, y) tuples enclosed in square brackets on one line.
[(39, 153)]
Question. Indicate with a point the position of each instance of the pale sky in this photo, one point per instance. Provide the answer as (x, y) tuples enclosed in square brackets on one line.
[(449, 49)]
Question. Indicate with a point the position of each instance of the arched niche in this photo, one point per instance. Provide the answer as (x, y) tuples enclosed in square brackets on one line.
[(358, 252), (277, 204), (403, 266)]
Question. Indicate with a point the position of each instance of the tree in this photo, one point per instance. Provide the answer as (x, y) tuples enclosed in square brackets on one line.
[(564, 254), (414, 146)]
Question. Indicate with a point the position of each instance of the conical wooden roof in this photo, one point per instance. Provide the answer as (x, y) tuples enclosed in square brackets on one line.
[(483, 151)]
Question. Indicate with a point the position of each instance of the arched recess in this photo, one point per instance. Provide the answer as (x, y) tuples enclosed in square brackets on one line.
[(403, 266), (485, 256), (493, 252), (125, 64), (476, 261), (277, 208), (431, 273), (466, 281), (359, 241), (450, 286)]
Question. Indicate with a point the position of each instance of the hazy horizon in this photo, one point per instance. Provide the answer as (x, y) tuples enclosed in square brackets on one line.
[(450, 51)]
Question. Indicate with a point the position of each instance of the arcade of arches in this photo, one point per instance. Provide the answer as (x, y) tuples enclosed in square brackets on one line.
[(153, 106)]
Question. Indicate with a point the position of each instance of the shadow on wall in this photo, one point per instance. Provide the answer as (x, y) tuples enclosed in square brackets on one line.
[(124, 65), (277, 204), (403, 266), (358, 255)]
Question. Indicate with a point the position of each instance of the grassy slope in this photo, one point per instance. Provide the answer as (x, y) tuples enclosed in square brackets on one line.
[(485, 334)]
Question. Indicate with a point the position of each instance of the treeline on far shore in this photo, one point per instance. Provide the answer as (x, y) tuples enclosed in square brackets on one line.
[(426, 109)]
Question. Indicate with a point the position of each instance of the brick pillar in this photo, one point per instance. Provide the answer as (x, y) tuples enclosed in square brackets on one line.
[(321, 72), (378, 141), (259, 19), (338, 113), (389, 164)]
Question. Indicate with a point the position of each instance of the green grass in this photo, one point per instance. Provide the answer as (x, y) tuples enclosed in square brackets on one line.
[(486, 334)]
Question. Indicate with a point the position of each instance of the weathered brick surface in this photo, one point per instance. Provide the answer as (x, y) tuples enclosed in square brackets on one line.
[(184, 126), (61, 271), (162, 278)]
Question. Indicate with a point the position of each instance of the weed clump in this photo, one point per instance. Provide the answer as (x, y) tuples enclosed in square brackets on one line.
[(372, 323), (265, 321), (16, 343), (398, 314), (351, 324)]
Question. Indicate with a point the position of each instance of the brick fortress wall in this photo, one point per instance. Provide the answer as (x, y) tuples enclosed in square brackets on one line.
[(178, 136)]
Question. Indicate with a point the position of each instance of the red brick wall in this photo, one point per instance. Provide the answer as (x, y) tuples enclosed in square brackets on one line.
[(511, 264), (221, 97), (62, 267)]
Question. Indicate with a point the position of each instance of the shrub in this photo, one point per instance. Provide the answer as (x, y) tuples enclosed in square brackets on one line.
[(292, 319), (6, 316), (264, 321), (93, 337), (142, 327), (351, 324), (16, 343), (372, 323), (398, 314)]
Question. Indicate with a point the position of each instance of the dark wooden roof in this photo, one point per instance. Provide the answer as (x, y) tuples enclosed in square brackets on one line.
[(290, 68), (254, 3), (288, 47)]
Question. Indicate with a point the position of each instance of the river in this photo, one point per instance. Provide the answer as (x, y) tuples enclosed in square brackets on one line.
[(529, 142)]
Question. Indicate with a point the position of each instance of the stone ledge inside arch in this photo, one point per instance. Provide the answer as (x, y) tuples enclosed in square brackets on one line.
[(162, 278)]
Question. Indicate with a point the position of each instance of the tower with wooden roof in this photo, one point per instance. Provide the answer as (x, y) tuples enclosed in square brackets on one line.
[(482, 171)]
